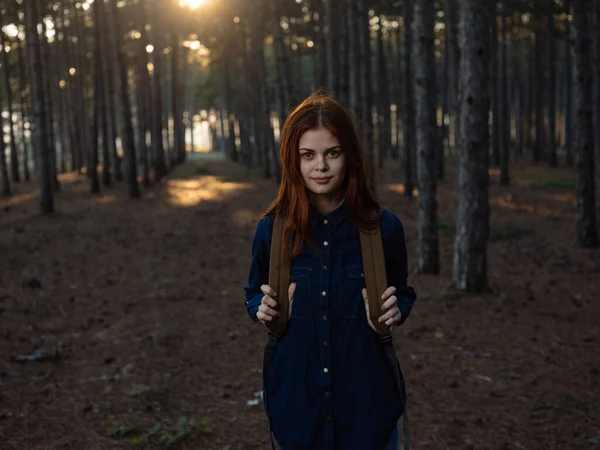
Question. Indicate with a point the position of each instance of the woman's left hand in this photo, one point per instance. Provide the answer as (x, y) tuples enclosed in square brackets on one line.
[(391, 313)]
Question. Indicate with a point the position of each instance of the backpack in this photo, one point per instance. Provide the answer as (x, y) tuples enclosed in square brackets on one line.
[(376, 283)]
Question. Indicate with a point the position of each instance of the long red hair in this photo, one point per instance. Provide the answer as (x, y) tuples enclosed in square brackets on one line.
[(316, 112)]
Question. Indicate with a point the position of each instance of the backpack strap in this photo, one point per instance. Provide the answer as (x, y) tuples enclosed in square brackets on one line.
[(279, 279), (375, 276)]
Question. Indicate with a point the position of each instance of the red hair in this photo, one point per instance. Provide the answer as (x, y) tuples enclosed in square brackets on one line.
[(321, 112)]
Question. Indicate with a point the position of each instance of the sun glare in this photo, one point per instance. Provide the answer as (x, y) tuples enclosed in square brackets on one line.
[(193, 4)]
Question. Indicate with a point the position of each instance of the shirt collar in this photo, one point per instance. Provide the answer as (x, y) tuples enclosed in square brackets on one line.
[(335, 217)]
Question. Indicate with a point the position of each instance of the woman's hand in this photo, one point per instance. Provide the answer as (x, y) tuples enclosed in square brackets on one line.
[(267, 310), (391, 313)]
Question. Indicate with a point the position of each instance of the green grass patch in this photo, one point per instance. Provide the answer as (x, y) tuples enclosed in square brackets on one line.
[(158, 435), (248, 175), (565, 183), (202, 170), (497, 231), (508, 230)]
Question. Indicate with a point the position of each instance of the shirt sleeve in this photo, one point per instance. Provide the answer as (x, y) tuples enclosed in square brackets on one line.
[(259, 267), (397, 263)]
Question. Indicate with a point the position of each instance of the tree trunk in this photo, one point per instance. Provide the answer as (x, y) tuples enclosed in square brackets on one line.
[(426, 142), (552, 158), (105, 93), (596, 59), (355, 63), (472, 222), (44, 164), (157, 125), (99, 106), (583, 135), (505, 110), (384, 120), (408, 125), (494, 86), (47, 75), (367, 89), (14, 158), (127, 142), (112, 117), (24, 106), (569, 88), (178, 139), (540, 138), (451, 14)]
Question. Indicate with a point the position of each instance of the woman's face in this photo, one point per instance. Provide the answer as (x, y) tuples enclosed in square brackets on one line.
[(322, 162)]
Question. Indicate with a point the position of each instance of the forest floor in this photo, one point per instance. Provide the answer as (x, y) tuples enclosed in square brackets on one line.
[(138, 309)]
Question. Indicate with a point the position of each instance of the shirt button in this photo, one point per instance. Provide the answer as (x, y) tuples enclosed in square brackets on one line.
[(324, 267), (327, 393), (325, 370), (328, 417), (323, 293), (325, 343), (324, 317), (325, 222), (325, 243)]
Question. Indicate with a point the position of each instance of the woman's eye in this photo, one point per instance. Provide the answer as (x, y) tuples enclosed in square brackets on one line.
[(334, 153), (306, 155)]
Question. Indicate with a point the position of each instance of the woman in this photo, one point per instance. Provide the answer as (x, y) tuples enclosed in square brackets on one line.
[(328, 384)]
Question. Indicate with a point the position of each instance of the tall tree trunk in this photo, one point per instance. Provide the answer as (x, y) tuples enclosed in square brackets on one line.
[(505, 110), (47, 75), (44, 171), (14, 158), (552, 158), (408, 125), (367, 88), (384, 120), (99, 106), (494, 85), (157, 125), (24, 102), (426, 142), (178, 139), (596, 75), (112, 116), (355, 62), (82, 119), (472, 222), (569, 91), (127, 141), (105, 94), (583, 135), (518, 89), (344, 61), (451, 14), (540, 138)]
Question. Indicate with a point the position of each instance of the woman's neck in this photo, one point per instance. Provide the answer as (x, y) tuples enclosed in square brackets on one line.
[(326, 203)]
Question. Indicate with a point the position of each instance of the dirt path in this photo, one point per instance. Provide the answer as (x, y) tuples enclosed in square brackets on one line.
[(135, 296)]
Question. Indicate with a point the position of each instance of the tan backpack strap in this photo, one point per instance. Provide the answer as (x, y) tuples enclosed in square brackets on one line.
[(375, 276), (279, 279)]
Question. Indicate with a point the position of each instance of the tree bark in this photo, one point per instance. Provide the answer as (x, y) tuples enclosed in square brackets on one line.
[(157, 125), (14, 158), (426, 142), (552, 158), (494, 86), (596, 69), (44, 168), (127, 142), (583, 135), (408, 125), (472, 222), (505, 110)]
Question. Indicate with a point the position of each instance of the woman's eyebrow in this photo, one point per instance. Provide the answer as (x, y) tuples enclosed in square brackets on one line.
[(327, 149)]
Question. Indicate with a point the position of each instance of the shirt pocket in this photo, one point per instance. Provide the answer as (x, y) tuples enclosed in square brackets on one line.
[(352, 283), (301, 308)]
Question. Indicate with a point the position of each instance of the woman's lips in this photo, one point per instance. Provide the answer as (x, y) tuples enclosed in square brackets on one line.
[(322, 180)]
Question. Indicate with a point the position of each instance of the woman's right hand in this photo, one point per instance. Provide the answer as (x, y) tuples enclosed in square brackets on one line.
[(267, 311)]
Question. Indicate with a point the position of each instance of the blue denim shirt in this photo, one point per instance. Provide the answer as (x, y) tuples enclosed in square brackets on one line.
[(330, 385)]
